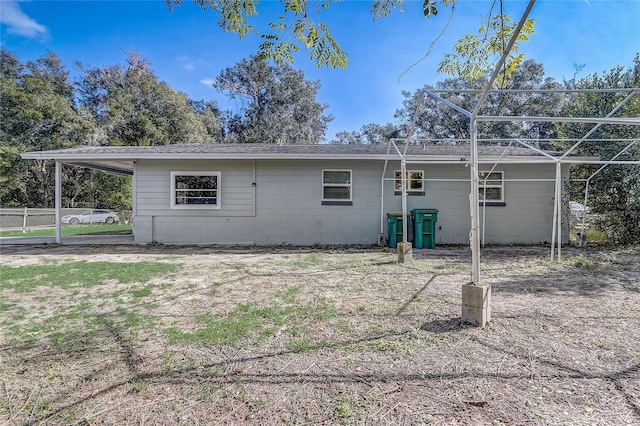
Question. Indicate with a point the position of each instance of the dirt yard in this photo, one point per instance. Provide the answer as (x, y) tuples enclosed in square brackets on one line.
[(285, 336)]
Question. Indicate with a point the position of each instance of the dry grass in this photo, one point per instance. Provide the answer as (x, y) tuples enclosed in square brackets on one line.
[(301, 336)]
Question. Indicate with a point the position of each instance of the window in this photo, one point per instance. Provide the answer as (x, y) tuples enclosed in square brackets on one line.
[(491, 188), (195, 190), (336, 187), (415, 182)]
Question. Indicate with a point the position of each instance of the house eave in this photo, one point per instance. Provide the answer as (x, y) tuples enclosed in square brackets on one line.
[(449, 159), (122, 160)]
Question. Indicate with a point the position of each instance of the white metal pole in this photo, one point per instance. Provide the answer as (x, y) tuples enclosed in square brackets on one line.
[(475, 237), (382, 204), (607, 118), (474, 201), (559, 192), (384, 171), (484, 213), (403, 171), (24, 220), (58, 196), (555, 214)]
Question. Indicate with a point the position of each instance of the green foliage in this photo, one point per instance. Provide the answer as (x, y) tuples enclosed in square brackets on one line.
[(233, 15), (80, 274), (316, 38), (131, 108), (383, 8), (614, 192), (475, 55), (295, 29), (279, 104), (437, 120), (37, 113), (42, 109), (374, 134), (251, 320)]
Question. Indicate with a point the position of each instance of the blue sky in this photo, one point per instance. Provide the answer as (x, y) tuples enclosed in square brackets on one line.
[(187, 49)]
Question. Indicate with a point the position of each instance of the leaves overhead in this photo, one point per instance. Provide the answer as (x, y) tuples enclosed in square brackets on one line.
[(295, 29), (476, 54)]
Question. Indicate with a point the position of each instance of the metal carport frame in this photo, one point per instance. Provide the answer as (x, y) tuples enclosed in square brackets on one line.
[(475, 117)]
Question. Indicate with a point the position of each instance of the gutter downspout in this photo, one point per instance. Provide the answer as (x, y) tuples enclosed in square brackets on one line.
[(384, 171), (403, 168)]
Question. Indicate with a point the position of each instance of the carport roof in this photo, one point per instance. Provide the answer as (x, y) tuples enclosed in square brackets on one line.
[(121, 159)]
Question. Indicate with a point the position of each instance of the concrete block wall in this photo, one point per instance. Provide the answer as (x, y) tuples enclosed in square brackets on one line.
[(289, 204), (267, 202)]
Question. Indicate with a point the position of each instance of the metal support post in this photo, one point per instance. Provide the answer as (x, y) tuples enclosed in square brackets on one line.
[(58, 195), (474, 200)]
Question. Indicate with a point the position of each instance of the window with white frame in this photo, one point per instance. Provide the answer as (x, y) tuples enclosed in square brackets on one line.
[(414, 182), (336, 187), (195, 190), (491, 187)]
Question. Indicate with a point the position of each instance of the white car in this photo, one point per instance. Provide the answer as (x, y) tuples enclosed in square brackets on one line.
[(578, 209), (91, 216)]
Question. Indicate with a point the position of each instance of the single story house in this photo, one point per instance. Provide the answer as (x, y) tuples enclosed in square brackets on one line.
[(265, 194)]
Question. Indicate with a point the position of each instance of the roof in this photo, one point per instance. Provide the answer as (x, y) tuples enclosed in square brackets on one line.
[(120, 159)]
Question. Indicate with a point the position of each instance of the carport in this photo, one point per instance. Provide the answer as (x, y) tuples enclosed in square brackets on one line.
[(118, 165)]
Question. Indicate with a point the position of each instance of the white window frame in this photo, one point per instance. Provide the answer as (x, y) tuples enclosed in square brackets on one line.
[(397, 182), (349, 184), (482, 186), (174, 191)]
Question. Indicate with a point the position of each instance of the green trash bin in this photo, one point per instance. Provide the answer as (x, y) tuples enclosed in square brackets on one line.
[(394, 227), (424, 227)]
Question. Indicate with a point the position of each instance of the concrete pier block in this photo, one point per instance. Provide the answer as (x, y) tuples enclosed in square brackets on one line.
[(405, 252), (476, 304)]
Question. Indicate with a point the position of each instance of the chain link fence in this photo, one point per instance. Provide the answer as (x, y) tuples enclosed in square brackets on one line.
[(27, 219)]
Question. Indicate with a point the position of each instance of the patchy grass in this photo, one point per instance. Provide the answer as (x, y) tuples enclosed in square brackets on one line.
[(198, 335), (82, 274), (70, 230)]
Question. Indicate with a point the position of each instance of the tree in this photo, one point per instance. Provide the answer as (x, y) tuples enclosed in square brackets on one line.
[(279, 105), (294, 30), (37, 112), (614, 194), (131, 107), (209, 114), (348, 138), (438, 121), (373, 134)]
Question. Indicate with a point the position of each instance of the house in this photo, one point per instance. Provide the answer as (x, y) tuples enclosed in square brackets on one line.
[(265, 194)]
